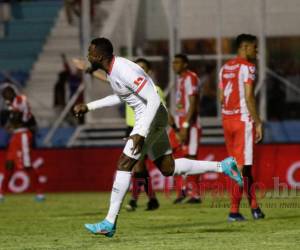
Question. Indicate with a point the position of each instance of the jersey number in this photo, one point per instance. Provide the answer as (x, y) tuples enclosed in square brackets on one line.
[(227, 91), (138, 81)]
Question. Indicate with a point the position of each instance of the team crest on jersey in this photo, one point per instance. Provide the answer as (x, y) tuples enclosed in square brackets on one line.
[(252, 69)]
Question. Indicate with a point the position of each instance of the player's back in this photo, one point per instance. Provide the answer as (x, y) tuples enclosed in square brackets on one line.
[(233, 76)]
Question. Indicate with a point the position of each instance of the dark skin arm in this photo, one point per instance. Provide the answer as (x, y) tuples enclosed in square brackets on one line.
[(251, 105), (81, 65), (138, 142), (221, 96), (183, 134)]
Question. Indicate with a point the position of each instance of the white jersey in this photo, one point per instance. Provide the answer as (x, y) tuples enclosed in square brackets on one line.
[(132, 85)]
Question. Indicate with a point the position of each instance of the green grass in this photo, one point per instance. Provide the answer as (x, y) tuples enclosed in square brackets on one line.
[(58, 224)]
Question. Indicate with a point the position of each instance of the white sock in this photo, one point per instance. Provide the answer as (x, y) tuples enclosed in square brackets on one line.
[(184, 166), (119, 189)]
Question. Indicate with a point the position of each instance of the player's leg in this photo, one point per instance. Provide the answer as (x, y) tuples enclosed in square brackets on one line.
[(121, 184), (10, 163), (34, 175), (160, 152), (37, 166), (152, 203), (137, 181), (141, 178), (249, 187), (7, 174), (192, 182), (178, 152), (180, 188), (234, 145)]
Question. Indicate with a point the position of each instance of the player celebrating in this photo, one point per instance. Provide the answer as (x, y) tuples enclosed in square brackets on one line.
[(241, 121), (187, 123), (132, 85)]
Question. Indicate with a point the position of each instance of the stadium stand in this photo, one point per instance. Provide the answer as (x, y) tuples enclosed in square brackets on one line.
[(24, 36)]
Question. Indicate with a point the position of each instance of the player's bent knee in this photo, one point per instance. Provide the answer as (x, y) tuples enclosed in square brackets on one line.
[(140, 167), (166, 165), (126, 163)]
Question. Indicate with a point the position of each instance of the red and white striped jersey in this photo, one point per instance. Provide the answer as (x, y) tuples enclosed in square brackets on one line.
[(233, 76), (21, 104), (187, 85)]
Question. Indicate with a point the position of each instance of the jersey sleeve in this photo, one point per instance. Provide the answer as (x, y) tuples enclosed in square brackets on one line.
[(192, 85), (248, 73)]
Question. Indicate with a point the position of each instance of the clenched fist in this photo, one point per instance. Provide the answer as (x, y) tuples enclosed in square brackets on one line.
[(80, 110)]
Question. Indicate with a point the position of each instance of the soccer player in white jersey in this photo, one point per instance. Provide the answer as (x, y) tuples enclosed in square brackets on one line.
[(132, 85)]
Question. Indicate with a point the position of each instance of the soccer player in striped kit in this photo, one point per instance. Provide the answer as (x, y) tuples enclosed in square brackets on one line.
[(241, 122), (186, 123)]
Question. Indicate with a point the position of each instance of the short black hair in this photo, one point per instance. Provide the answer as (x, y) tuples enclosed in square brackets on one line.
[(8, 89), (244, 38), (144, 61), (103, 46), (183, 57)]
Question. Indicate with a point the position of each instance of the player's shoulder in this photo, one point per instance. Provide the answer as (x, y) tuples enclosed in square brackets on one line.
[(246, 65), (192, 75), (236, 63), (125, 65), (20, 99), (231, 64)]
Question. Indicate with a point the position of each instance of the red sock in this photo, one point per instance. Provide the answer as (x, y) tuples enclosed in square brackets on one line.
[(34, 175), (179, 185), (136, 189), (193, 185), (149, 188), (236, 197)]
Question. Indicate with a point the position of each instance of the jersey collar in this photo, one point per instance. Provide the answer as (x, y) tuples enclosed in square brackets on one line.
[(111, 65)]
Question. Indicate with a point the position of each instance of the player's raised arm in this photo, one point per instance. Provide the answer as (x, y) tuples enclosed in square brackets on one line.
[(82, 65)]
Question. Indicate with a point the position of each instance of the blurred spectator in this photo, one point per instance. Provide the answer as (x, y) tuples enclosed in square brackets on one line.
[(72, 7), (208, 98), (60, 91), (74, 79)]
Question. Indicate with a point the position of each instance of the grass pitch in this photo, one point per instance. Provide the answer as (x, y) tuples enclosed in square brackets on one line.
[(58, 224)]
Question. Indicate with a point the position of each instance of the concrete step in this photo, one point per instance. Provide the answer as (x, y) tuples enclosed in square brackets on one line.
[(61, 45)]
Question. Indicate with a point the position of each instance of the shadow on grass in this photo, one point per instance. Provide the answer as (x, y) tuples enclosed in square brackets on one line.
[(91, 214), (283, 217)]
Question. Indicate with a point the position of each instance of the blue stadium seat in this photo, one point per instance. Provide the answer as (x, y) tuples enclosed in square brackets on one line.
[(25, 35)]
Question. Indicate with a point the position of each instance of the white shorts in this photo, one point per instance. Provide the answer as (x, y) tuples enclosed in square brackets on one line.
[(157, 142)]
